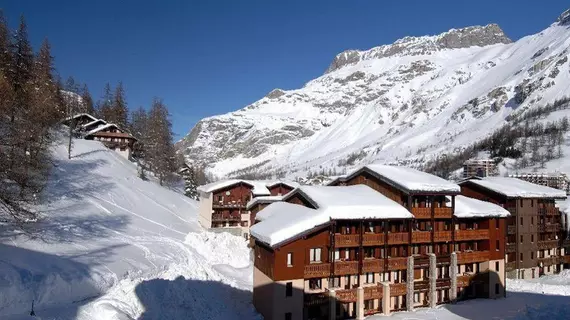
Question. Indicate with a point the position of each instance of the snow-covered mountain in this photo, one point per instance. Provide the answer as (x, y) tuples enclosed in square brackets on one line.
[(407, 101)]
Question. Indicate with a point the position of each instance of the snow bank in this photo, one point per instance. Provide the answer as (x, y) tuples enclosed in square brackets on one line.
[(414, 180), (466, 207), (517, 188)]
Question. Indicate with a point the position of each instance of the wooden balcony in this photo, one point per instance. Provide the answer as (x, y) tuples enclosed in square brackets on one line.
[(397, 263), (443, 259), (443, 283), (373, 239), (421, 261), (547, 244), (551, 227), (236, 205), (345, 267), (313, 299), (466, 235), (421, 213), (346, 240), (463, 280), (226, 217), (511, 247), (397, 289), (443, 213), (442, 236), (511, 229), (374, 292), (552, 260), (398, 238), (373, 265), (421, 236), (422, 285), (565, 259), (549, 211), (472, 257), (317, 270), (510, 266), (347, 295)]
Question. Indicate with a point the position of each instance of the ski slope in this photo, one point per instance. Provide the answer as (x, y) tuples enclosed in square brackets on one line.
[(112, 246)]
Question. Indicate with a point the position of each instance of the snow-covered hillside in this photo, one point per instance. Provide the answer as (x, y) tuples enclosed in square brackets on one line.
[(112, 246), (408, 101)]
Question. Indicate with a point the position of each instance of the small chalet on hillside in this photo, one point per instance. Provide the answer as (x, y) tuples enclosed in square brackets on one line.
[(536, 238), (113, 137), (389, 238), (225, 205)]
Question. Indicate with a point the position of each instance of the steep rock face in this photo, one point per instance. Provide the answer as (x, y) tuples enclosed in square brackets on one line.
[(404, 102)]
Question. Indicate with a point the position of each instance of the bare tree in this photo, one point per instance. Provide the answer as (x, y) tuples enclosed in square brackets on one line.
[(159, 147)]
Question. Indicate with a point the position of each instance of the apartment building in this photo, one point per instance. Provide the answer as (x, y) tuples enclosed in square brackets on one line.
[(555, 180), (349, 251), (535, 237), (480, 168)]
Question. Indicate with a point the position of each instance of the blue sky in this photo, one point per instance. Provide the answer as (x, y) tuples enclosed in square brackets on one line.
[(210, 57)]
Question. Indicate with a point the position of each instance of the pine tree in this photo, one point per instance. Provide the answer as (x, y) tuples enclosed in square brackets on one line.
[(190, 182), (159, 148), (104, 105), (139, 129), (119, 107), (87, 101)]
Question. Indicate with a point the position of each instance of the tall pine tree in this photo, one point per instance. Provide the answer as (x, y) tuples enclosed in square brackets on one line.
[(87, 101), (159, 147), (119, 107), (105, 105), (190, 181)]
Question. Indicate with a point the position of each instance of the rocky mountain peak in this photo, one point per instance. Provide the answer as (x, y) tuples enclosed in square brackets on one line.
[(453, 39), (564, 18)]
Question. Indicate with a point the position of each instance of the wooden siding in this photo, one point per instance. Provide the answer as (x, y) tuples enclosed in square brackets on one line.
[(280, 189), (380, 186)]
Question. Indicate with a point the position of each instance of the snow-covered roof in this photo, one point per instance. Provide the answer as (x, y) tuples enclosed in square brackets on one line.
[(108, 125), (284, 221), (82, 115), (410, 180), (260, 187), (264, 214), (262, 199), (94, 122), (516, 188), (466, 207)]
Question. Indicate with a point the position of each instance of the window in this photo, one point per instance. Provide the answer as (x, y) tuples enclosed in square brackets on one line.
[(334, 282), (532, 255), (521, 257), (289, 289), (521, 220), (369, 253), (368, 304), (315, 284), (416, 297), (521, 203), (220, 198), (369, 277), (290, 259), (522, 239), (531, 202), (531, 220), (497, 245), (522, 274), (370, 227), (532, 238), (346, 254), (397, 277), (497, 289), (315, 255), (288, 316), (337, 255)]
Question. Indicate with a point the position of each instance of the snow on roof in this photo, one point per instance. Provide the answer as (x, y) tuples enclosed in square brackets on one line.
[(108, 125), (263, 199), (93, 122), (260, 187), (284, 221), (466, 207), (82, 115), (516, 188), (413, 180)]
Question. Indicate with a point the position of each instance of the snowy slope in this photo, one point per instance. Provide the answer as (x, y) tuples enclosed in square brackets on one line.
[(406, 102), (110, 241)]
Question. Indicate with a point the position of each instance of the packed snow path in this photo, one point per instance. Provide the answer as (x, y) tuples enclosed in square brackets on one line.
[(112, 246)]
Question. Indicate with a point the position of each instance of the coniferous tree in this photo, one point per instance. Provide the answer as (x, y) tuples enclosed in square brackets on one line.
[(119, 107), (105, 105), (87, 101), (159, 148), (73, 106), (139, 129), (190, 182)]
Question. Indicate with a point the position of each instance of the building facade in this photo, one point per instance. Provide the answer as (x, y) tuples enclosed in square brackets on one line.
[(480, 168), (352, 267), (555, 180), (535, 237), (223, 204), (113, 138)]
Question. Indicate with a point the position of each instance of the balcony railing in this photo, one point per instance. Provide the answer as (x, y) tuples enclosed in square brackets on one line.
[(421, 261), (548, 211), (421, 213), (346, 240), (397, 289), (226, 217), (398, 238), (443, 213), (443, 283), (443, 259), (236, 205), (549, 261), (348, 295), (345, 267), (477, 234), (471, 257), (374, 292), (442, 236), (320, 270), (373, 239), (511, 247), (312, 299), (422, 285), (547, 244), (397, 263), (373, 265), (551, 227), (510, 266), (511, 229), (421, 236)]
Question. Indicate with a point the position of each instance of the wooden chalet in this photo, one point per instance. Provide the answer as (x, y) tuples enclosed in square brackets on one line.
[(113, 138)]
